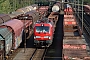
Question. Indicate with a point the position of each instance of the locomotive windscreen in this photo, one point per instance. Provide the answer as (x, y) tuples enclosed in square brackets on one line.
[(42, 29)]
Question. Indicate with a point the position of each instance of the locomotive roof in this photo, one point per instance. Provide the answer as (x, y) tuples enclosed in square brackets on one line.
[(43, 24)]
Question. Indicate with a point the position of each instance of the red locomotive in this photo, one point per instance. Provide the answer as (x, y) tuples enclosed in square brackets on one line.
[(43, 32)]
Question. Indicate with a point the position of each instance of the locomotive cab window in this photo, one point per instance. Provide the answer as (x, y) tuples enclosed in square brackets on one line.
[(42, 29)]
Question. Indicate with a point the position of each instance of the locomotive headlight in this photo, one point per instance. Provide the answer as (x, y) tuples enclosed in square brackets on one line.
[(46, 36), (34, 37), (49, 37), (37, 37)]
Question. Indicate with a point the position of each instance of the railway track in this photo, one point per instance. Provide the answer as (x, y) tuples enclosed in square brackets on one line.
[(14, 53), (30, 54), (38, 54), (21, 55)]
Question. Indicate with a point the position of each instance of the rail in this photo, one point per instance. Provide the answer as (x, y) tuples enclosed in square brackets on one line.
[(44, 54), (33, 54), (37, 55)]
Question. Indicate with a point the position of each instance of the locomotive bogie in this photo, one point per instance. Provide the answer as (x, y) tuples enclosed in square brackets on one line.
[(41, 43)]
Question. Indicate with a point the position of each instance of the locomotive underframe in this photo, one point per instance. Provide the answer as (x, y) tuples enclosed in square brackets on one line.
[(42, 43)]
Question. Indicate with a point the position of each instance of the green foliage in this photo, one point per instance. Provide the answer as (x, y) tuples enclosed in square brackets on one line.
[(86, 1), (7, 6), (1, 1), (4, 6)]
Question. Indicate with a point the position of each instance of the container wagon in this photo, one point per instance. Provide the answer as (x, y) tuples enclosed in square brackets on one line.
[(74, 46)]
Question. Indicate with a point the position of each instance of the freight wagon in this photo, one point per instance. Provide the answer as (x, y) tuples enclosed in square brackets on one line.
[(12, 27), (28, 20), (69, 10), (4, 18), (43, 11), (56, 7), (74, 46), (20, 11), (35, 7), (11, 32), (11, 36), (54, 17), (23, 10)]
